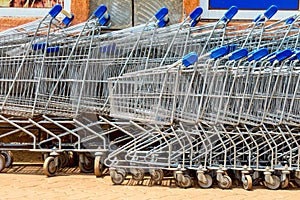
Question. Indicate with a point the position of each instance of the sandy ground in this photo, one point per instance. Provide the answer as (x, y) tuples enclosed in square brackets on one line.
[(28, 182)]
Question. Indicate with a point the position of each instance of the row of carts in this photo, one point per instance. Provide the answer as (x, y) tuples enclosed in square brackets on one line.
[(201, 102)]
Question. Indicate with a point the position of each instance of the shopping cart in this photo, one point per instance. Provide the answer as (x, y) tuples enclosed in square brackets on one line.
[(136, 96)]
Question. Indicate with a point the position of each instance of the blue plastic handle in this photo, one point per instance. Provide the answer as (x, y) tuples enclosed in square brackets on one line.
[(258, 54), (272, 10), (67, 21), (161, 13), (290, 20), (219, 52), (282, 55), (99, 12), (163, 22), (53, 49), (190, 59), (39, 46), (104, 20), (196, 13), (55, 10), (230, 13), (239, 54), (195, 16)]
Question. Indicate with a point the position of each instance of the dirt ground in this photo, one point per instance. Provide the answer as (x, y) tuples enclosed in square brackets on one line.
[(28, 182)]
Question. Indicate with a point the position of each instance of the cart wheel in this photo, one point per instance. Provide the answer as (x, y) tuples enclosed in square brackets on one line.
[(98, 166), (50, 167), (139, 175), (276, 185), (2, 162), (285, 183), (87, 166), (158, 175), (226, 183), (209, 182), (9, 158), (186, 183), (247, 184), (118, 179)]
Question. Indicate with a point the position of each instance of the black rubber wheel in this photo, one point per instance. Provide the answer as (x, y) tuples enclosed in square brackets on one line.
[(2, 162), (118, 179), (50, 167), (226, 183), (186, 183), (139, 175), (276, 184), (209, 182), (247, 184), (98, 166), (158, 175), (87, 166)]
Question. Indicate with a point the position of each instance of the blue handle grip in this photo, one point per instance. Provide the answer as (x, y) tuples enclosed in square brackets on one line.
[(290, 20), (219, 52), (161, 13), (230, 13), (39, 46), (195, 16), (282, 55), (163, 22), (100, 11), (53, 49), (67, 21), (190, 59), (55, 10), (258, 54), (272, 10), (103, 21), (239, 54)]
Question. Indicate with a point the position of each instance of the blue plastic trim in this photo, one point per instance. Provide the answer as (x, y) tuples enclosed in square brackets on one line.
[(39, 46), (99, 12), (67, 21), (104, 20), (258, 54), (55, 10), (219, 52), (163, 22), (53, 49), (290, 20), (161, 13), (282, 55), (298, 55), (272, 10), (230, 13), (196, 13), (190, 59), (238, 54)]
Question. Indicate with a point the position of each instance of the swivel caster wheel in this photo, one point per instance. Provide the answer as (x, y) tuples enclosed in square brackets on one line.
[(50, 166), (2, 162), (157, 175), (276, 183), (226, 182), (9, 158), (139, 175), (208, 183), (98, 166), (247, 183)]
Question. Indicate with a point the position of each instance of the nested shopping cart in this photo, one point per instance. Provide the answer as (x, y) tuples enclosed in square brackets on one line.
[(169, 95)]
